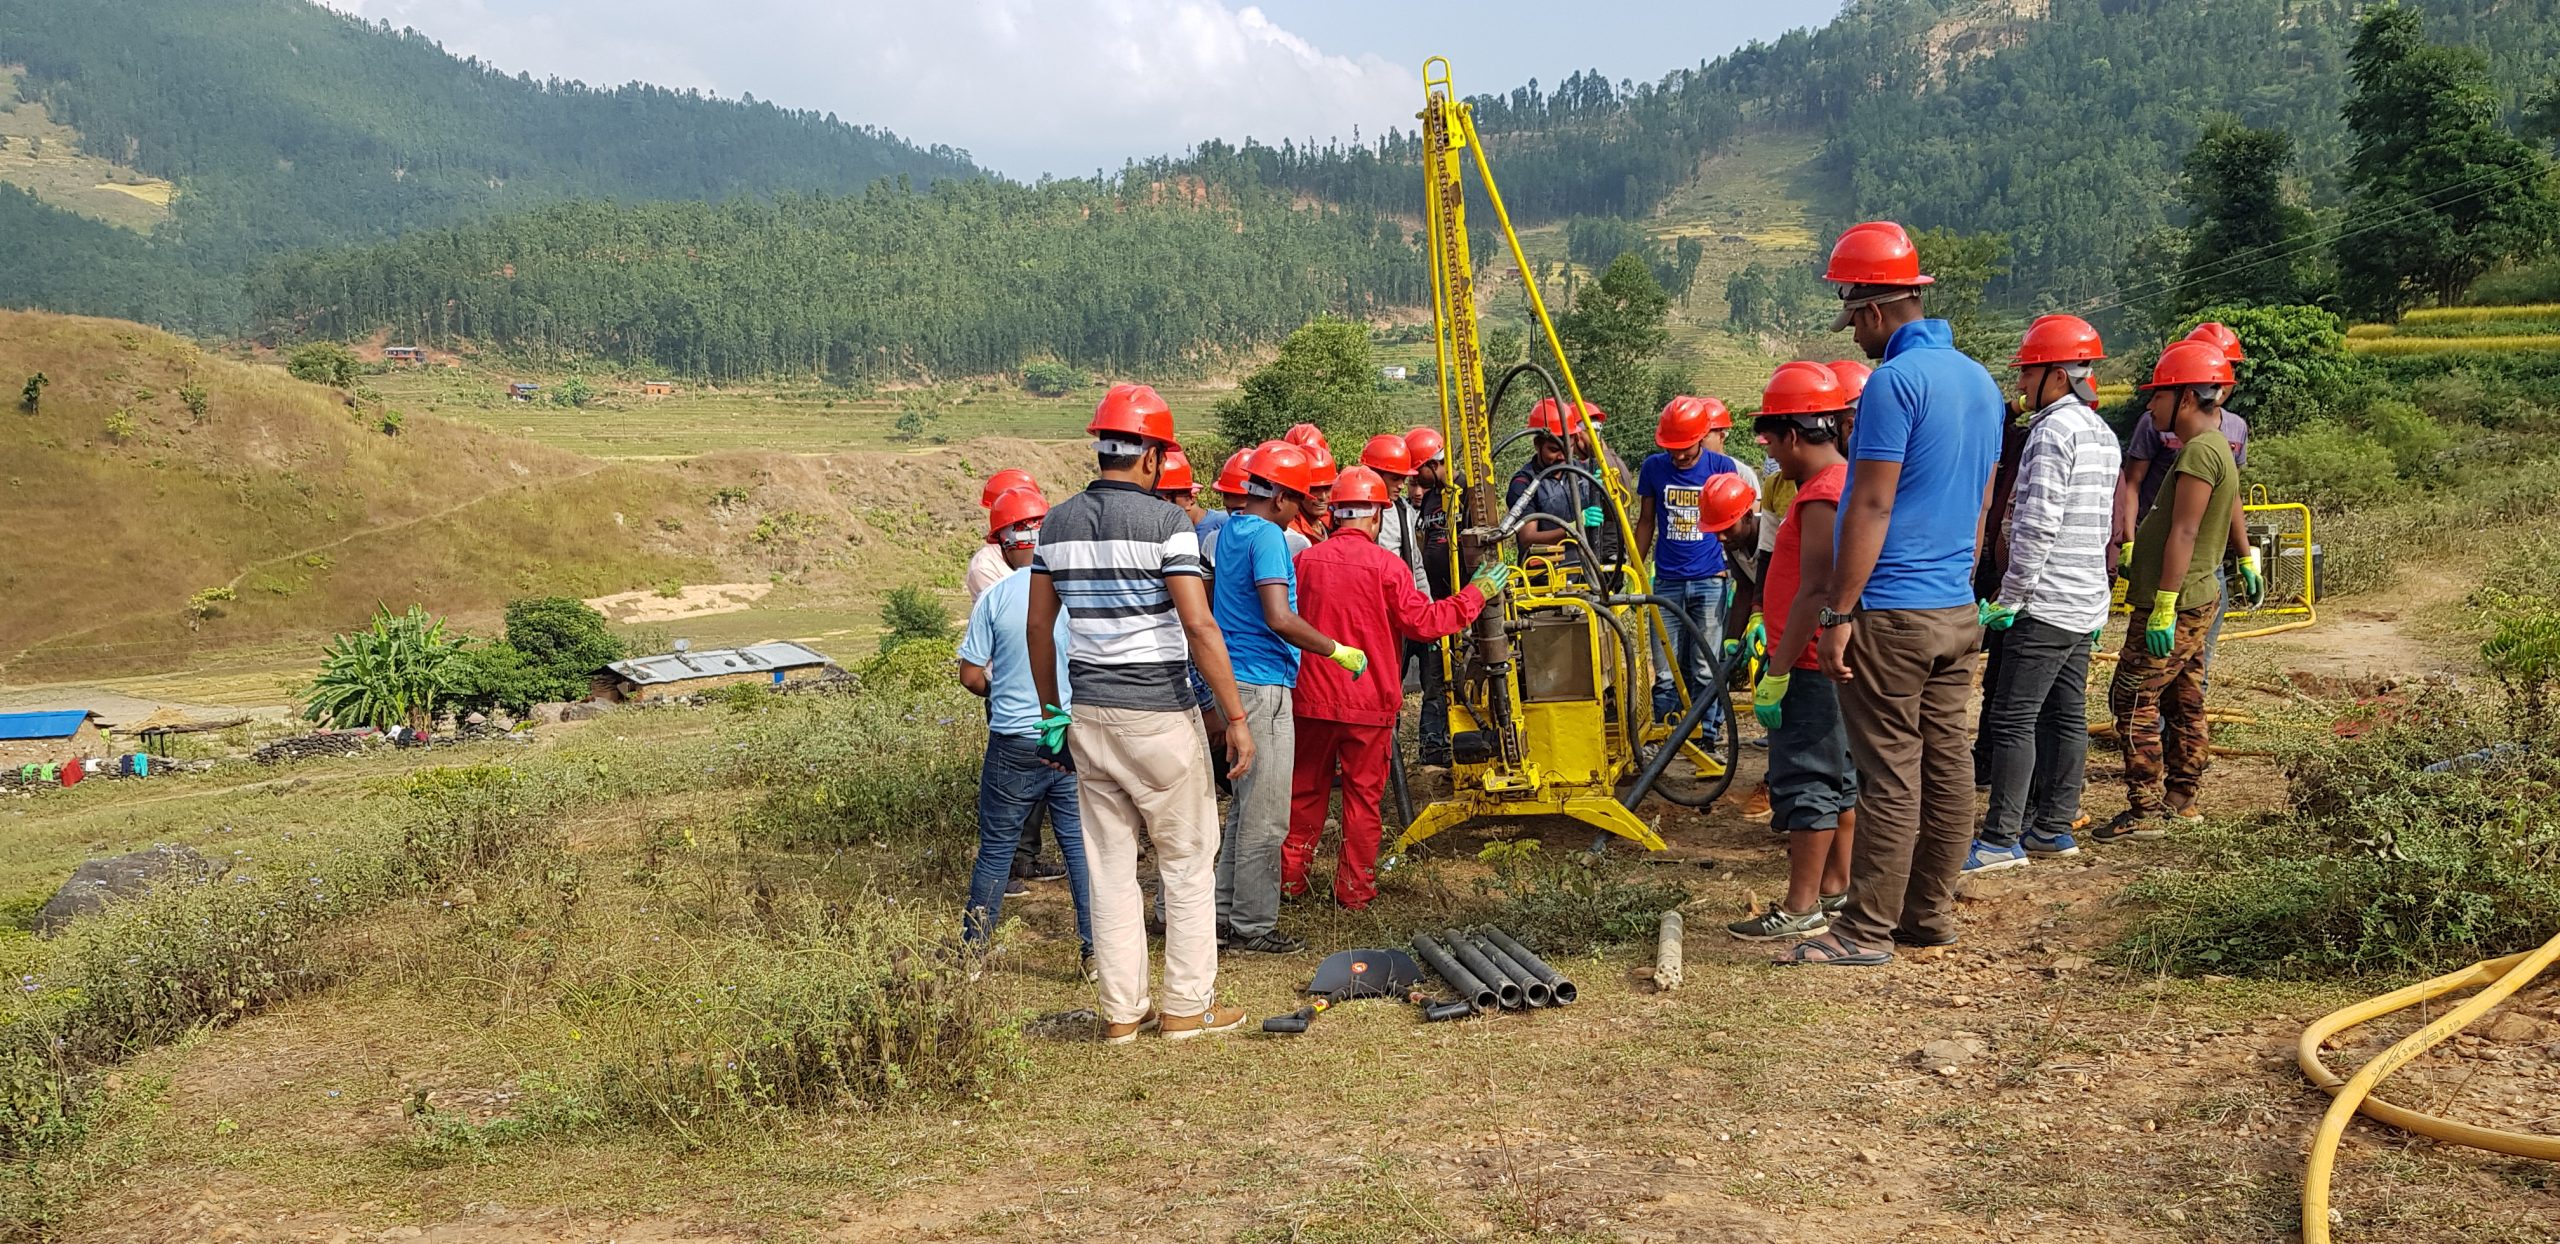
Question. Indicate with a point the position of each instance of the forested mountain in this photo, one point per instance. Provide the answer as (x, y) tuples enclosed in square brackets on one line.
[(286, 125), (969, 277)]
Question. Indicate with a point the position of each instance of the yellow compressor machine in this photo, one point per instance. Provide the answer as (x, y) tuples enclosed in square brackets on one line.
[(1550, 692)]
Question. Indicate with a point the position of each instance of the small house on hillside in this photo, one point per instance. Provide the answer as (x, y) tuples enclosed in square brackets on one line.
[(403, 354), (686, 672), (51, 737), (657, 388), (523, 390), (1391, 372)]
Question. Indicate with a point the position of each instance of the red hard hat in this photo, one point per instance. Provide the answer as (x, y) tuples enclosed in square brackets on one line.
[(1875, 253), (1424, 444), (1723, 501), (2060, 339), (2191, 362), (1282, 465), (1804, 389), (2222, 337), (1306, 435), (1014, 506), (1359, 485), (1177, 473), (1386, 454), (1551, 418), (1687, 420), (1002, 482), (1231, 476), (1853, 376), (1132, 411), (1320, 471)]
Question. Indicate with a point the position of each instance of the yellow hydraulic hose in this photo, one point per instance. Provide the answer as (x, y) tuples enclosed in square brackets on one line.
[(2497, 979)]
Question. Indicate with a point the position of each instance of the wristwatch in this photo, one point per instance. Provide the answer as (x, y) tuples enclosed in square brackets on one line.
[(1829, 618)]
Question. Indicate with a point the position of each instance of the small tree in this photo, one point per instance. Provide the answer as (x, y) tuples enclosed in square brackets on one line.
[(564, 641), (1050, 378), (207, 605), (574, 391), (1324, 375), (1615, 329), (196, 399), (29, 396), (910, 615), (323, 362), (395, 672), (2246, 243)]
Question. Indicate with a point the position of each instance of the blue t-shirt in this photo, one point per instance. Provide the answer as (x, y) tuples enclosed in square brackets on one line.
[(994, 640), (1207, 530), (1933, 409), (1252, 551), (1680, 550)]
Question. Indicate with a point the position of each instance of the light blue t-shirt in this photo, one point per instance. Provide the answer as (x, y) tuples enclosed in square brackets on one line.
[(994, 639), (1933, 409), (1252, 551)]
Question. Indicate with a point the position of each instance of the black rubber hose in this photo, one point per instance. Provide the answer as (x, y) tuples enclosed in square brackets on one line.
[(1562, 988), (1505, 990), (1680, 733), (1532, 990), (1478, 994), (1437, 1012), (1396, 775)]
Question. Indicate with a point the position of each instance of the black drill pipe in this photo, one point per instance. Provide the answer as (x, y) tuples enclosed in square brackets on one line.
[(1532, 990), (1505, 990), (1563, 989), (1478, 994)]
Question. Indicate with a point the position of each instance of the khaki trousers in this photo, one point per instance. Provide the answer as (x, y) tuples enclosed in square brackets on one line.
[(1905, 710), (1148, 772)]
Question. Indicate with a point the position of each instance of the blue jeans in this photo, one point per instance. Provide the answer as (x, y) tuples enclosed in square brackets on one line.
[(1010, 784), (1693, 613)]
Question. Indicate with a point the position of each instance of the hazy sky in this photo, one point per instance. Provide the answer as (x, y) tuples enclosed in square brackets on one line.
[(1068, 86)]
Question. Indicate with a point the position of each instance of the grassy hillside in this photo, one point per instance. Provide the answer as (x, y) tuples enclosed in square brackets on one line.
[(122, 504)]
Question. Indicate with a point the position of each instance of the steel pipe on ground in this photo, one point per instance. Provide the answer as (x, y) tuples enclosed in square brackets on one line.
[(1532, 990), (1505, 989), (1479, 995)]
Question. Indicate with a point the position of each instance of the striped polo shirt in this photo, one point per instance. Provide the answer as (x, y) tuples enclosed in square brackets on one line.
[(1110, 551)]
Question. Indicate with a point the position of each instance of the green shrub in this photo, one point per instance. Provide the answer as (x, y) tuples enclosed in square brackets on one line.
[(891, 764), (2377, 865), (323, 362), (1050, 378), (2298, 369), (1572, 903), (2414, 440), (913, 614), (2533, 283), (2324, 465)]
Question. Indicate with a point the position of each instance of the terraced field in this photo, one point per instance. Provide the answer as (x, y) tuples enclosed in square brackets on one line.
[(2482, 331), (45, 159)]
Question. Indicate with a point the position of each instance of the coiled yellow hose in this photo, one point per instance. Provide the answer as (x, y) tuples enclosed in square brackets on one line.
[(2496, 979)]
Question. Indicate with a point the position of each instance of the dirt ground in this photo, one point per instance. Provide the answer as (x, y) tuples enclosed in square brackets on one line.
[(2015, 1087)]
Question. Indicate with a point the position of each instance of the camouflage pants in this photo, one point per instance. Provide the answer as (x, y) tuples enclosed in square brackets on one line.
[(2158, 704)]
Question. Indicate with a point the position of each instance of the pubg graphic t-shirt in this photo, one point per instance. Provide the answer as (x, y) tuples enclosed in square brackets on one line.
[(1680, 550)]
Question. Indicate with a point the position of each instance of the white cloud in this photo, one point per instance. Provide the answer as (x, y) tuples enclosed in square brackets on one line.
[(1028, 86)]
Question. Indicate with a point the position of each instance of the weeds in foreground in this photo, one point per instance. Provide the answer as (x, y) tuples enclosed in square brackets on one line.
[(1572, 904), (898, 762)]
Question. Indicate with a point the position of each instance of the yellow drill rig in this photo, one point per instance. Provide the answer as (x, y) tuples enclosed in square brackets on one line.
[(1550, 692)]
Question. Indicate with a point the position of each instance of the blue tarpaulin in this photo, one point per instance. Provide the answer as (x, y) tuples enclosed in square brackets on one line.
[(58, 725)]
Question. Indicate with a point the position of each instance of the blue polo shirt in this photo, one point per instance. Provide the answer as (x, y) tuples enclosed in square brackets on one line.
[(1930, 407), (994, 640), (1252, 551)]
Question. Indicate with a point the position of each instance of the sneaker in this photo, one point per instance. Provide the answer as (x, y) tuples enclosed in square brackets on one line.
[(1214, 1020), (1834, 904), (1086, 967), (1274, 942), (1123, 1034), (2047, 845), (1778, 922), (1988, 858), (2129, 824), (1044, 870), (1016, 887)]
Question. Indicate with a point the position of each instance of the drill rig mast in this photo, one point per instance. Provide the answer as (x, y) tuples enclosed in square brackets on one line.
[(1550, 706)]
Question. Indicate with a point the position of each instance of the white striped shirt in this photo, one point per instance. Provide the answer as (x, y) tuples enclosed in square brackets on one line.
[(1109, 551), (2059, 517)]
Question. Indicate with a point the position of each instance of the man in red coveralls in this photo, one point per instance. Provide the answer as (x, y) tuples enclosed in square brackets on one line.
[(1349, 722)]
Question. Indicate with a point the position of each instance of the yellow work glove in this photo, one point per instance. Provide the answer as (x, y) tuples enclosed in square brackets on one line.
[(2160, 634), (1353, 661), (1767, 699)]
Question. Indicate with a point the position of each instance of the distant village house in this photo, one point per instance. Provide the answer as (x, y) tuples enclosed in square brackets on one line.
[(657, 388), (684, 672), (50, 738), (1392, 373), (404, 354), (523, 390)]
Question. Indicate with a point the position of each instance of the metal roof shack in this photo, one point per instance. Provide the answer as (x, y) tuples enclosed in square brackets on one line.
[(50, 737), (687, 672), (62, 724)]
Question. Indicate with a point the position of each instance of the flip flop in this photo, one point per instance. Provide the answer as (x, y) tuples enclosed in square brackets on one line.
[(1813, 953)]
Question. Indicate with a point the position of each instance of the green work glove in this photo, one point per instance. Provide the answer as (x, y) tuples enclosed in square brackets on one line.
[(1755, 636), (2253, 578), (1492, 577), (1767, 699), (2160, 634), (1994, 616), (1053, 726), (1593, 516), (2095, 634), (1353, 661), (2124, 556)]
